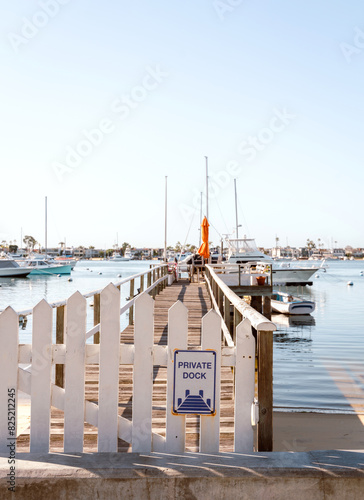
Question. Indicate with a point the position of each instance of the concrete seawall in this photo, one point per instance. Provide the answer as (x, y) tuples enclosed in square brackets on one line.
[(278, 475)]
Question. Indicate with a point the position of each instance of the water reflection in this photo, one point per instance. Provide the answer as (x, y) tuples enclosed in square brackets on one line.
[(293, 333)]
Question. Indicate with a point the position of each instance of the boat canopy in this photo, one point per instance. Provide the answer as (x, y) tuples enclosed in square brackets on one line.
[(7, 263), (243, 245)]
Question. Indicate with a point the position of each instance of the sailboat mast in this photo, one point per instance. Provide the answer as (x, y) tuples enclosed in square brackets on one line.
[(236, 211), (200, 220), (207, 188), (165, 220), (46, 243)]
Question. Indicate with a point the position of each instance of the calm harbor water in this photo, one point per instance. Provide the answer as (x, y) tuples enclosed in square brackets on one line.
[(318, 360)]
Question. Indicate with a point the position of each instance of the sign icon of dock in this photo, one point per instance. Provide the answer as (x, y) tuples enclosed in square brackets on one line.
[(194, 404)]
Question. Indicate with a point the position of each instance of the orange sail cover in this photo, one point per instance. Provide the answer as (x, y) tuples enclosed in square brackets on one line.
[(204, 248)]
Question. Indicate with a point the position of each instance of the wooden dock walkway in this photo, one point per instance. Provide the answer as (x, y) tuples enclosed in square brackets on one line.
[(196, 298)]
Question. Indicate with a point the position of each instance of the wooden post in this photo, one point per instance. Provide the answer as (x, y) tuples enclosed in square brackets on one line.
[(271, 275), (142, 283), (158, 276), (59, 377), (220, 300), (227, 317), (149, 279), (267, 309), (237, 319), (131, 310), (256, 303), (163, 282), (153, 281), (265, 390), (97, 317), (165, 273)]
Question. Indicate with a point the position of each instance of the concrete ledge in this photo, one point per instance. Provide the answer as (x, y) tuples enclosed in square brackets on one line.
[(278, 475)]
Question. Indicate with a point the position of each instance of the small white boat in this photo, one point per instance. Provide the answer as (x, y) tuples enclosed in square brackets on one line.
[(288, 304), (9, 268)]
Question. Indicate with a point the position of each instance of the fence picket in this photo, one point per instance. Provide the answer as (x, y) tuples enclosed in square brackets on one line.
[(9, 331), (109, 369), (210, 426), (74, 402), (244, 387), (177, 339), (41, 378), (143, 374)]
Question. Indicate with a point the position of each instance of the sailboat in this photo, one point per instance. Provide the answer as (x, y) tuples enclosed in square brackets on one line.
[(41, 264)]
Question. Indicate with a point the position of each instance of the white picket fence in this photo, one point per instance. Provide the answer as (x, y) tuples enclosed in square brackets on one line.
[(75, 353)]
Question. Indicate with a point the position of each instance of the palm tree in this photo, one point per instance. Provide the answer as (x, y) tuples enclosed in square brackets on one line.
[(29, 242)]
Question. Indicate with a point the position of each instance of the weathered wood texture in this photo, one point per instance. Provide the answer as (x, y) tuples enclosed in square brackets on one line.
[(265, 391)]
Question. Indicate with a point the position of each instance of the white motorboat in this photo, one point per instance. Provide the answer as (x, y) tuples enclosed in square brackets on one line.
[(244, 250), (117, 257), (288, 304), (10, 269)]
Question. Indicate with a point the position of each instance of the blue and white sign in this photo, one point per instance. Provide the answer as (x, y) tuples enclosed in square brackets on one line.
[(194, 384)]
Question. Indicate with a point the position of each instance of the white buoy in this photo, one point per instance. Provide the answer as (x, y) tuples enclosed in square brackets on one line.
[(119, 276), (361, 273), (100, 273), (70, 279), (317, 276), (350, 283), (58, 275)]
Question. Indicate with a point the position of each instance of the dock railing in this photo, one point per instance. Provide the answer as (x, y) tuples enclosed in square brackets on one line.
[(233, 310)]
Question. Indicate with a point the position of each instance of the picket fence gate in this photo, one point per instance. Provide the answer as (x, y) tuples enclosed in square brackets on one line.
[(109, 354)]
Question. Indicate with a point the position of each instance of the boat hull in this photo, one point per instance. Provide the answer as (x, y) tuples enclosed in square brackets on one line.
[(296, 308), (14, 273), (66, 269), (292, 275), (285, 303)]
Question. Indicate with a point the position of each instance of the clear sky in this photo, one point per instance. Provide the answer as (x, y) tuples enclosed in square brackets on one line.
[(101, 100)]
